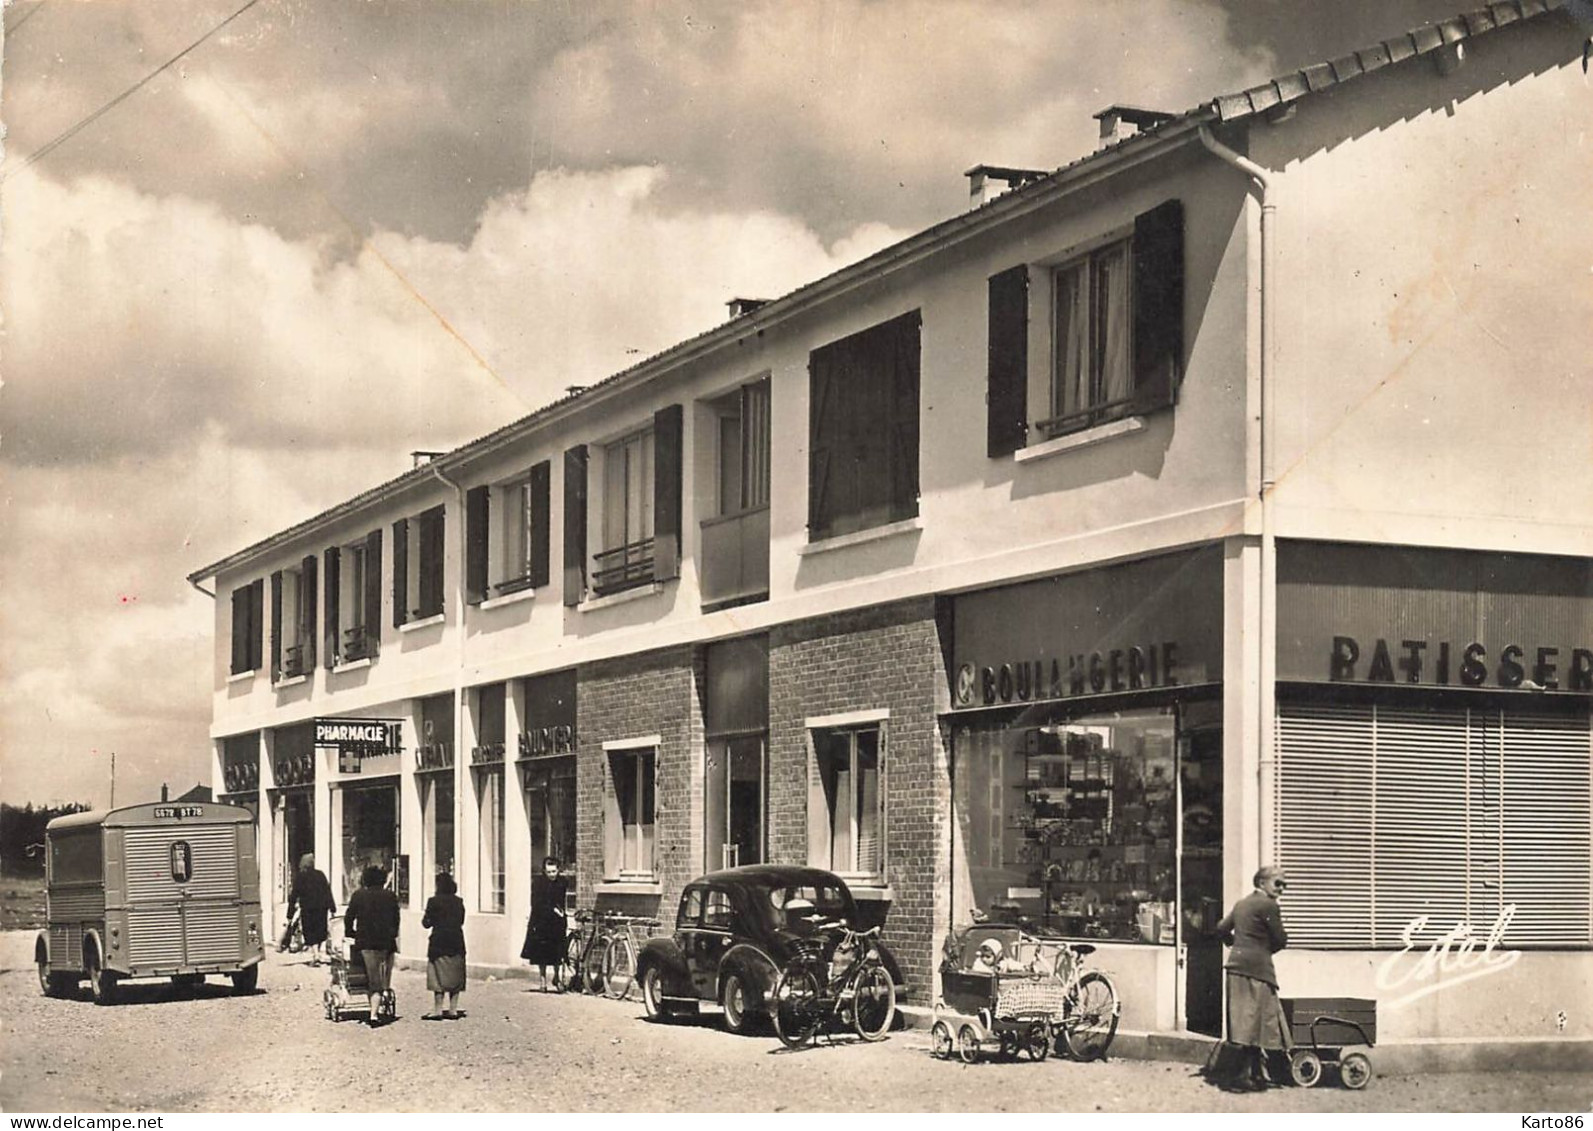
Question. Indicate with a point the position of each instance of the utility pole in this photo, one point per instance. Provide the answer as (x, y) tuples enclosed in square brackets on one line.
[(113, 779)]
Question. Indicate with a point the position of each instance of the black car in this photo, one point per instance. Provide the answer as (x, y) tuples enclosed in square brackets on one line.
[(733, 935)]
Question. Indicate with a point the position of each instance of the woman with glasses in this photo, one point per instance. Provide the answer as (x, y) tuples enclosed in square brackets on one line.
[(1256, 1025)]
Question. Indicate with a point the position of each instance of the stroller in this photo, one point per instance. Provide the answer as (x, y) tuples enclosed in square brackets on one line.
[(349, 990), (1015, 1003)]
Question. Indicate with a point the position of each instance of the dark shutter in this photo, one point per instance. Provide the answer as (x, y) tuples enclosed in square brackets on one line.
[(431, 561), (1158, 305), (667, 458), (373, 592), (256, 622), (575, 525), (821, 438), (903, 469), (240, 630), (333, 579), (307, 614), (476, 519), (541, 517), (1007, 388), (276, 626), (400, 572)]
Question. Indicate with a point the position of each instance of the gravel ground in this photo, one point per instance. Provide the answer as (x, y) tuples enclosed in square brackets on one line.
[(521, 1050)]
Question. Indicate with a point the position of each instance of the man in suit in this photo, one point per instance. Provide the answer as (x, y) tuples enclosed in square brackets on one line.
[(1256, 1025)]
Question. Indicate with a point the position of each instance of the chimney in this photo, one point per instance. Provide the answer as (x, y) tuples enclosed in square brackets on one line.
[(421, 459), (986, 182), (163, 796), (1114, 118), (740, 306)]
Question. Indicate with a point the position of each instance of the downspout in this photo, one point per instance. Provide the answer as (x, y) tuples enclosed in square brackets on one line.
[(201, 588), (459, 666), (1266, 658)]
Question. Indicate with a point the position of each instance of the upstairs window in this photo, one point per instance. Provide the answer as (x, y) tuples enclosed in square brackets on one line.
[(1115, 323), (507, 535), (418, 566), (293, 621), (743, 449), (248, 611), (863, 429), (626, 558), (353, 600)]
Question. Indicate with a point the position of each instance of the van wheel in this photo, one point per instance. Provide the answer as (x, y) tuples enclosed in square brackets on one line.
[(53, 983), (102, 982), (244, 981)]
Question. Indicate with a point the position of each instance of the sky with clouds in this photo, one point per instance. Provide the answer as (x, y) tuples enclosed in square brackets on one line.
[(336, 232)]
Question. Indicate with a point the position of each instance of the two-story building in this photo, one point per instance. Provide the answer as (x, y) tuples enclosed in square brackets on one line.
[(1216, 499)]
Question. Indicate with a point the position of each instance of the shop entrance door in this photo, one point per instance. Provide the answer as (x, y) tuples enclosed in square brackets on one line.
[(295, 835), (1200, 865)]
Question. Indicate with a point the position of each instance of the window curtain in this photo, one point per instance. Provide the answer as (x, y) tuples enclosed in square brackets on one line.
[(1113, 280), (1072, 392)]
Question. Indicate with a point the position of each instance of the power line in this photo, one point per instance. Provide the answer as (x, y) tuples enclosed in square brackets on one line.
[(28, 15), (66, 135)]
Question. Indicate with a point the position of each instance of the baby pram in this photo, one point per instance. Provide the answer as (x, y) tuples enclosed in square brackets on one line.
[(349, 991), (1015, 1003)]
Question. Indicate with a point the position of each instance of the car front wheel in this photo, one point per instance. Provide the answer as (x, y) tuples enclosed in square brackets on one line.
[(735, 997), (653, 993)]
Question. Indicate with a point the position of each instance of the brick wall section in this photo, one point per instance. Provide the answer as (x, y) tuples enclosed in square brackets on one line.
[(650, 693), (883, 657)]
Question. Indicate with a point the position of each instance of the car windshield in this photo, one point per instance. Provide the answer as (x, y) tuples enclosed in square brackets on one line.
[(829, 900)]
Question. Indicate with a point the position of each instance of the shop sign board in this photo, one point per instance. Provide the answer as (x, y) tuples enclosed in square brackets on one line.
[(549, 716), (1135, 626), (1434, 618)]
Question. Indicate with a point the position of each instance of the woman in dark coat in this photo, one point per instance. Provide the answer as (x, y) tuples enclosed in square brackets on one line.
[(372, 918), (545, 933), (312, 895), (1254, 930), (445, 952)]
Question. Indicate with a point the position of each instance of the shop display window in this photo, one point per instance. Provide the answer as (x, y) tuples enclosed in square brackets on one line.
[(848, 802), (490, 843), (369, 831), (1071, 826), (550, 811), (437, 805)]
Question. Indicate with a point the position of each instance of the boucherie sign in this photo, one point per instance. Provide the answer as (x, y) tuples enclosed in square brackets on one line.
[(1434, 618)]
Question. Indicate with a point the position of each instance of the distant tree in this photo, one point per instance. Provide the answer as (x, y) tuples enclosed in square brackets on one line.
[(22, 827)]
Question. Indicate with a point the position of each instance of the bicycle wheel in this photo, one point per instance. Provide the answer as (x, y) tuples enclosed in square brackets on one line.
[(592, 965), (797, 1009), (873, 1002), (574, 948), (619, 967), (1091, 1017)]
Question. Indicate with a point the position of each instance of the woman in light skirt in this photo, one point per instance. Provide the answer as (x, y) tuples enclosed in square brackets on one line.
[(445, 952)]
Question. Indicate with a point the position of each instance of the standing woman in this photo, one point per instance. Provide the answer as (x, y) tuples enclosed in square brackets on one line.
[(545, 933), (312, 895), (445, 953), (372, 918), (1254, 929)]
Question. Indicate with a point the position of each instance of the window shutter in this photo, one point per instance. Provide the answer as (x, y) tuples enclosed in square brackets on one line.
[(903, 469), (476, 520), (307, 613), (668, 434), (432, 548), (256, 622), (541, 518), (575, 525), (276, 626), (820, 438), (1546, 829), (1007, 387), (1158, 305), (333, 640), (400, 572), (373, 591), (240, 630)]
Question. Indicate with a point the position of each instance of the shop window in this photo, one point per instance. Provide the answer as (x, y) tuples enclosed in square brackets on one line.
[(628, 818), (293, 621), (490, 838), (248, 614), (353, 600), (370, 830), (418, 566), (1397, 819), (847, 803), (550, 811), (1070, 826), (437, 813), (863, 429)]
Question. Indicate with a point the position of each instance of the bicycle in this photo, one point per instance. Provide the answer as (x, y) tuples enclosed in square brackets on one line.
[(835, 974), (1091, 1008), (601, 953)]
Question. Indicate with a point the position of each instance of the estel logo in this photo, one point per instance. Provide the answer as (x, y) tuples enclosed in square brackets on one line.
[(182, 861)]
